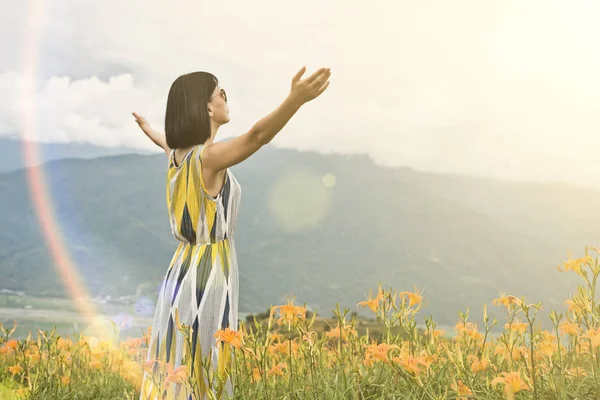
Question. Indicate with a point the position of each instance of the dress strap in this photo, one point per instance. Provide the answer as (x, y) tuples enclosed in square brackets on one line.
[(187, 155), (172, 158)]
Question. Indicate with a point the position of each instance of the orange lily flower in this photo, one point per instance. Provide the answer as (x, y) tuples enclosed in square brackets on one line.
[(512, 383), (576, 265), (373, 303), (177, 376), (234, 338), (288, 312)]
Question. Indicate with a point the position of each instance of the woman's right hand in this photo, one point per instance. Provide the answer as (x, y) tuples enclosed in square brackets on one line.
[(158, 138), (305, 90)]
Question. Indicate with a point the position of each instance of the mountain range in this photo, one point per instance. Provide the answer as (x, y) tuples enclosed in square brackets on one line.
[(326, 228), (12, 152)]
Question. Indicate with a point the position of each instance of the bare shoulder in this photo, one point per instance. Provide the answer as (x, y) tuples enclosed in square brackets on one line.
[(221, 155)]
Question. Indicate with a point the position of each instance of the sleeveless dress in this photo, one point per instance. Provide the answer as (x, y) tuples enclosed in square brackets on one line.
[(202, 281)]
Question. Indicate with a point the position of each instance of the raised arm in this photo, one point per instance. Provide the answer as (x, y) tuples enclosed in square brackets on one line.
[(158, 138), (222, 155)]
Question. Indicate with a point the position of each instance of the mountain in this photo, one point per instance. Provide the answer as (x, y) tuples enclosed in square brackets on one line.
[(326, 228), (12, 151)]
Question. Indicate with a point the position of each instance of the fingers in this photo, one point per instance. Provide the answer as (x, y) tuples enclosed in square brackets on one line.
[(321, 79), (315, 75), (141, 121), (138, 118), (143, 124), (299, 74), (322, 89)]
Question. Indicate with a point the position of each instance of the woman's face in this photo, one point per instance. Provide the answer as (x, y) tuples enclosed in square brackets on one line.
[(217, 106)]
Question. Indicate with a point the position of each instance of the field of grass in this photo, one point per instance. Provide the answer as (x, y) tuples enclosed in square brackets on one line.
[(46, 313), (46, 303), (8, 391), (290, 353)]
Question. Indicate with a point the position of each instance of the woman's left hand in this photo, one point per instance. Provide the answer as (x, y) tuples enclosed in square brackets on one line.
[(158, 138)]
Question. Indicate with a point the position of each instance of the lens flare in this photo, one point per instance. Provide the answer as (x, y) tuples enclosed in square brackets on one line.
[(39, 193), (300, 199)]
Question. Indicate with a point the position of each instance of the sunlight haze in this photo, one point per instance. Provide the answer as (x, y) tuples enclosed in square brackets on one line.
[(507, 89)]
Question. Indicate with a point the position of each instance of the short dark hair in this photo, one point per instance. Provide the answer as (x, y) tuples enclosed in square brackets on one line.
[(186, 120)]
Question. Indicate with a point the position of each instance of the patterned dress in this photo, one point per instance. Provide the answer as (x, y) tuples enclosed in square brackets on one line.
[(201, 282)]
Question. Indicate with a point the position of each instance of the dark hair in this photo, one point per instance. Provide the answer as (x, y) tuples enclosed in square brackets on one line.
[(186, 120)]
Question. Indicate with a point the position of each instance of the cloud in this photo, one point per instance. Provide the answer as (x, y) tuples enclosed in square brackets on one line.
[(84, 110), (506, 89)]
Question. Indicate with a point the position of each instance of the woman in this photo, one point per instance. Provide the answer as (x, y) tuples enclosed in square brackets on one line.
[(200, 288)]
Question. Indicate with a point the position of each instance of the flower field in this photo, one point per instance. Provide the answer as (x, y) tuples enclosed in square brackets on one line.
[(284, 357)]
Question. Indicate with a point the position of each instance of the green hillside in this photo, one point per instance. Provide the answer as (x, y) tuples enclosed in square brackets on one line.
[(12, 152), (325, 227)]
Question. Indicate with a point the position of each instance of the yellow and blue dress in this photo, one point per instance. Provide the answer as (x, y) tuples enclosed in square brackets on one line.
[(202, 281)]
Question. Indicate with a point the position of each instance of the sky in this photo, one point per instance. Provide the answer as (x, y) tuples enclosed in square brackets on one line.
[(507, 89)]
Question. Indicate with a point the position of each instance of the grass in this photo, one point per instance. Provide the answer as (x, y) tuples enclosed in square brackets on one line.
[(7, 391), (46, 303), (290, 353)]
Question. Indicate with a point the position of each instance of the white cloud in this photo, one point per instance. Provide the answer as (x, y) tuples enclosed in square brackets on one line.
[(85, 110), (507, 89)]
